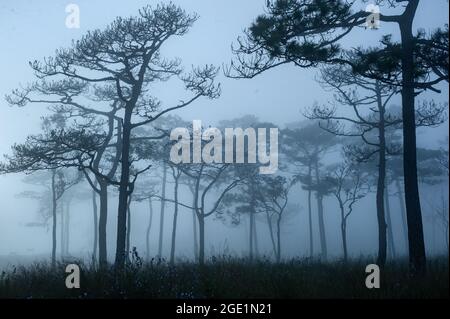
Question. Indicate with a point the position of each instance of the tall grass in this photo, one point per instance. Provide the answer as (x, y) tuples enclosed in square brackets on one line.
[(227, 277)]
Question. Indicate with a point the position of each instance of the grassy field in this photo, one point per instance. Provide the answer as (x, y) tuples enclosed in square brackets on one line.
[(227, 277)]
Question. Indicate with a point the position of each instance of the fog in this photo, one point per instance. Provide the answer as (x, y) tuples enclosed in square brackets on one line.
[(32, 30)]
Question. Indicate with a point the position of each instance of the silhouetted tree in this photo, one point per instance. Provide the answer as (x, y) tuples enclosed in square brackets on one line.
[(348, 184), (273, 198), (60, 184)]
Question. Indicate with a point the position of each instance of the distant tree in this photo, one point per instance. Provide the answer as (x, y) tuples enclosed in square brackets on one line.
[(60, 184), (440, 213), (176, 174), (348, 184), (162, 208), (191, 186), (273, 198), (304, 148), (65, 223), (211, 185), (443, 158), (242, 201), (146, 190), (41, 152), (395, 177), (430, 170), (41, 179)]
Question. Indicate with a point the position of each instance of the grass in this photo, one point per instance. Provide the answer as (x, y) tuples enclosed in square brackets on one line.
[(228, 277)]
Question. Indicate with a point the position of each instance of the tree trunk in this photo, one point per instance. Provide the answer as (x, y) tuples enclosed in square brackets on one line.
[(251, 222), (255, 238), (311, 236), (102, 223), (174, 224), (382, 241), (62, 241), (272, 239), (67, 229), (123, 189), (389, 224), (54, 207), (323, 239), (401, 202), (417, 257), (279, 239), (446, 235), (344, 232), (201, 228), (161, 218), (149, 226), (433, 234), (128, 248), (194, 223), (95, 211)]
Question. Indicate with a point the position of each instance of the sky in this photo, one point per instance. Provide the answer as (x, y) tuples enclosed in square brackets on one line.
[(34, 29)]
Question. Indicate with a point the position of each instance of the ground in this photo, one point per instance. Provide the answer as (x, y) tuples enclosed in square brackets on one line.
[(227, 277)]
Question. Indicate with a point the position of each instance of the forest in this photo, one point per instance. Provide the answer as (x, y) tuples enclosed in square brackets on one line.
[(162, 166)]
